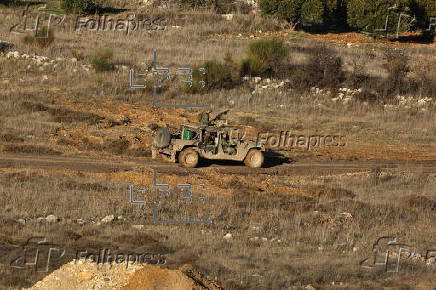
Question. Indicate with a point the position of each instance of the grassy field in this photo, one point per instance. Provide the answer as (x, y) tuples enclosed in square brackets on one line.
[(269, 231)]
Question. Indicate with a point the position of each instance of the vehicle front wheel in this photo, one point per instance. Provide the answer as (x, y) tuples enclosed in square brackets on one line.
[(254, 158), (188, 158)]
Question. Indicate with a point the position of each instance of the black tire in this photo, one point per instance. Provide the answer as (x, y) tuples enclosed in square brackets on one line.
[(188, 158), (162, 138), (254, 158)]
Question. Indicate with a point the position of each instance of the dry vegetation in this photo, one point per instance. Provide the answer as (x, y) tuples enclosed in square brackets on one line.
[(287, 230)]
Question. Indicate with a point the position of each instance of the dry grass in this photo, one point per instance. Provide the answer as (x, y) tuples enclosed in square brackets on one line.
[(309, 240), (73, 110)]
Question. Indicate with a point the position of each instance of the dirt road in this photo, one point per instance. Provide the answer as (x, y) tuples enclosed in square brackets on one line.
[(279, 168)]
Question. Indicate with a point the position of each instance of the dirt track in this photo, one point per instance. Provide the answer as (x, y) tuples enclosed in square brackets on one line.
[(284, 168)]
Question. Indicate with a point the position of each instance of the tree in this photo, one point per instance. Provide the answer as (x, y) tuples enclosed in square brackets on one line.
[(328, 12)]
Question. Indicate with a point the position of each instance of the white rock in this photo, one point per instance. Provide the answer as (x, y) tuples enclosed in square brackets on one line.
[(354, 249), (138, 227), (21, 221), (74, 59), (347, 214), (44, 77), (228, 236), (80, 221), (108, 219), (227, 16), (52, 219), (257, 79), (264, 239)]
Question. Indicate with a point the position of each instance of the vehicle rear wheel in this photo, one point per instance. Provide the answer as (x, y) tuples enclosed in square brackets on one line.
[(162, 138), (254, 158), (188, 158)]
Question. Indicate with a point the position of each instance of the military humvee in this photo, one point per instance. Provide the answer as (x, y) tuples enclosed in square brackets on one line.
[(209, 142)]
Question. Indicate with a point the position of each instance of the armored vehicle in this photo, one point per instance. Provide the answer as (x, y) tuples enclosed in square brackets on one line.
[(193, 142)]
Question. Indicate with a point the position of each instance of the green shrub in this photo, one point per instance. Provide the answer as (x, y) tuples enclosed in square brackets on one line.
[(289, 10), (370, 15), (316, 11), (44, 37), (79, 6), (101, 60), (195, 3), (424, 10), (217, 75), (7, 2), (28, 39), (264, 57)]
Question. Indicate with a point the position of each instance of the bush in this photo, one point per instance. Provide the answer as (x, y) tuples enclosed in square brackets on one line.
[(195, 3), (79, 6), (397, 67), (424, 10), (42, 38), (217, 75), (7, 2), (289, 10), (370, 15), (5, 46), (317, 11), (264, 57), (101, 60), (323, 70), (425, 78)]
